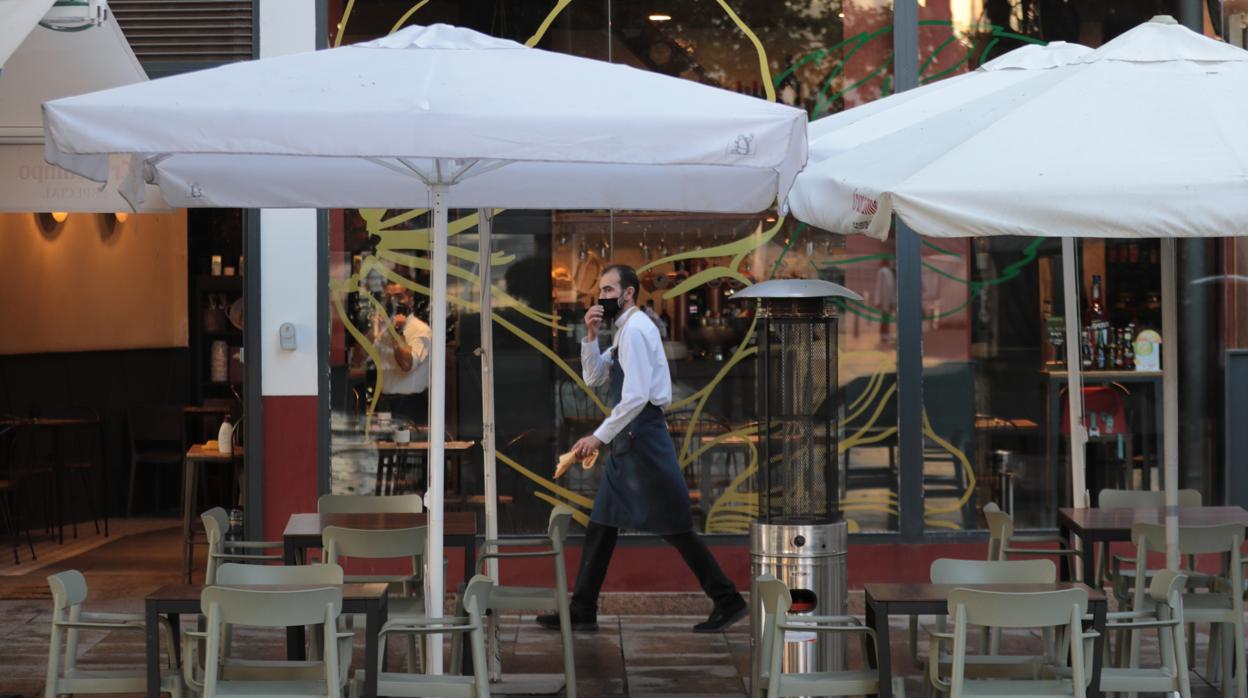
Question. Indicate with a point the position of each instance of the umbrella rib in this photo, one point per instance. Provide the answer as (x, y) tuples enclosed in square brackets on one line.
[(410, 169)]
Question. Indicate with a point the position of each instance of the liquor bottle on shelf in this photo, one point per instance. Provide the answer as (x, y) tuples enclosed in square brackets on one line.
[(1086, 353), (1096, 309)]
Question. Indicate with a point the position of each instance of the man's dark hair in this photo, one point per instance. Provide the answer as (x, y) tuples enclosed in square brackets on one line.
[(628, 277)]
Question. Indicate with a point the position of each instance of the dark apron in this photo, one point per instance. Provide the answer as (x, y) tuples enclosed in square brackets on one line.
[(642, 488)]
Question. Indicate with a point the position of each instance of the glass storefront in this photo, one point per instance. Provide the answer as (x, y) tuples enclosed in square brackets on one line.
[(993, 375)]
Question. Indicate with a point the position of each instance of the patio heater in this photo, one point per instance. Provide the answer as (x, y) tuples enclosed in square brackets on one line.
[(799, 537)]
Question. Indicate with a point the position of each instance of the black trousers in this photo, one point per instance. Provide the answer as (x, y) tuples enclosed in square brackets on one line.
[(596, 557)]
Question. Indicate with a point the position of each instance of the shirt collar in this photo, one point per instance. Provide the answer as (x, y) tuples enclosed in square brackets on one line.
[(623, 318)]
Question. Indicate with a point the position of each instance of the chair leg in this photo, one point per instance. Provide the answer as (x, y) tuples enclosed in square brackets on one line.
[(569, 662)]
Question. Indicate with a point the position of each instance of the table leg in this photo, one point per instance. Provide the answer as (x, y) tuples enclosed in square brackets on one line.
[(1099, 611), (374, 618), (879, 655), (152, 642), (1088, 555), (295, 650), (104, 490), (188, 503)]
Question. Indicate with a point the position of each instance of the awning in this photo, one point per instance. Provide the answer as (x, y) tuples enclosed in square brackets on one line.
[(50, 63), (17, 19)]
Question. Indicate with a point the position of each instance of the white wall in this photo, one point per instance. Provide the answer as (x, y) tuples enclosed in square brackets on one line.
[(288, 250)]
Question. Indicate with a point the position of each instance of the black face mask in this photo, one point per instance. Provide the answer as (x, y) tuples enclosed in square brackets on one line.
[(610, 308)]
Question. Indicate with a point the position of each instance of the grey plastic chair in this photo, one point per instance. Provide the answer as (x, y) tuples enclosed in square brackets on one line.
[(1121, 575), (406, 600), (991, 662), (268, 609), (470, 621), (235, 574), (512, 598), (1060, 611), (216, 523), (69, 591), (1166, 593), (367, 504), (1001, 540), (767, 666), (1222, 604)]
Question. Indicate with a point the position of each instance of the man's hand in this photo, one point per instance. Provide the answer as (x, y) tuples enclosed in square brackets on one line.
[(587, 445), (400, 321), (593, 321)]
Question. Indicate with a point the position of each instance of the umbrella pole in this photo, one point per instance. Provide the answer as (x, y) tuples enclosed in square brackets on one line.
[(485, 224), (434, 575), (1170, 398), (1074, 383)]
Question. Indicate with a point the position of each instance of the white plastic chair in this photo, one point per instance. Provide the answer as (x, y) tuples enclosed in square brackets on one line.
[(216, 523), (235, 574), (1001, 540), (269, 609), (1166, 593), (768, 663), (69, 591), (1061, 611), (1121, 576), (406, 600), (473, 604), (991, 662), (368, 504), (1222, 604), (512, 598)]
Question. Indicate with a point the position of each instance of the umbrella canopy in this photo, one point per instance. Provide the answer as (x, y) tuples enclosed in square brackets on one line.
[(1067, 150), (444, 117), (367, 125), (1074, 150)]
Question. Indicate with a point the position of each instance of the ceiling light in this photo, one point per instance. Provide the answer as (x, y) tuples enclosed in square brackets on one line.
[(660, 17), (60, 216), (121, 216)]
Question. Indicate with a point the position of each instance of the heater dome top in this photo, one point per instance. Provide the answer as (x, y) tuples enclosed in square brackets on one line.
[(797, 288)]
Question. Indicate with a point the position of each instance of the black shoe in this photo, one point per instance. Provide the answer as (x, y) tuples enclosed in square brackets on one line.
[(723, 616), (580, 624)]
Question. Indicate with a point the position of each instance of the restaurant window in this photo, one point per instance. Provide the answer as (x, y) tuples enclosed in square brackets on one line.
[(545, 266)]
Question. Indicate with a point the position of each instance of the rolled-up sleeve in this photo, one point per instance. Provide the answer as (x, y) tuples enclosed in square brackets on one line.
[(595, 364), (631, 353)]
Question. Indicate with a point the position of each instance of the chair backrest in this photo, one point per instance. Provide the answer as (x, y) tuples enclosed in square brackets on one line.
[(216, 523), (69, 588), (1000, 530), (369, 504), (1143, 499), (270, 609), (774, 595), (476, 598), (557, 527), (949, 571), (1193, 540), (233, 573), (1167, 588), (342, 542), (1004, 609)]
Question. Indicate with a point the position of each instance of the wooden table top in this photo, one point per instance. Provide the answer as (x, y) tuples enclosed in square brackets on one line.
[(424, 445), (1121, 520), (939, 593), (454, 523), (202, 452), (192, 592)]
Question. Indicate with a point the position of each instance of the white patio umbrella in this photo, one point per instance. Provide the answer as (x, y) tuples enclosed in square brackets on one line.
[(441, 116), (1088, 149)]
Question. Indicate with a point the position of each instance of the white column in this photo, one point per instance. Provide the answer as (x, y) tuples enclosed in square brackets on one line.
[(288, 251), (1170, 397)]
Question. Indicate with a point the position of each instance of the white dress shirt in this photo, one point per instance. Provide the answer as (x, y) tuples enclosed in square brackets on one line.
[(639, 348), (394, 380)]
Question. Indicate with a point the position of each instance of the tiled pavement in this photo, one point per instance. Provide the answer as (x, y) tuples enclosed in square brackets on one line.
[(633, 655)]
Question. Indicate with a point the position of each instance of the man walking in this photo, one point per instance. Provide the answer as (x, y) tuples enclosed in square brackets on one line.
[(642, 487)]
